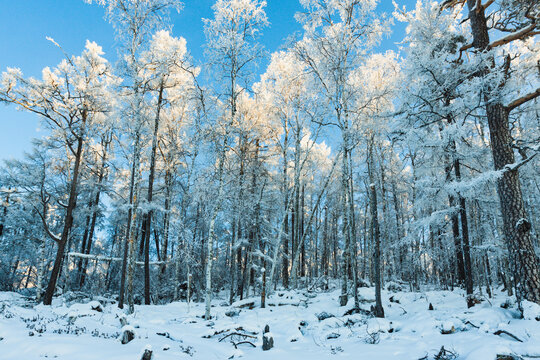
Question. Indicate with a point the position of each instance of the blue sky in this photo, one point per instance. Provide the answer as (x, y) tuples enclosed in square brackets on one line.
[(24, 24)]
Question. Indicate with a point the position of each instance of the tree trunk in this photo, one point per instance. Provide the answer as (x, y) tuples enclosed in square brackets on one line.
[(68, 223), (133, 221), (354, 253), (147, 216), (301, 233), (346, 251), (211, 231), (89, 239), (41, 270), (465, 240), (379, 311), (517, 227), (83, 242)]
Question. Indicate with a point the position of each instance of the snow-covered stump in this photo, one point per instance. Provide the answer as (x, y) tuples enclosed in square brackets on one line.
[(128, 334), (268, 339), (123, 320), (447, 328), (147, 354), (96, 306)]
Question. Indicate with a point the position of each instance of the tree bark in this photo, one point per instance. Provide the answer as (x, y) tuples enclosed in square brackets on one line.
[(95, 205), (147, 215), (517, 227), (68, 223), (379, 311)]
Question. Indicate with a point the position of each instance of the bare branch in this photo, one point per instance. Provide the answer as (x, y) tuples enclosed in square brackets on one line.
[(487, 4), (46, 227), (522, 100), (523, 33)]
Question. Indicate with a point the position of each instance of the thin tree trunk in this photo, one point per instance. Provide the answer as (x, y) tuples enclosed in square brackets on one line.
[(345, 257), (41, 270), (465, 240), (68, 223), (325, 248), (301, 233), (95, 205), (147, 216), (211, 231), (379, 311), (133, 222), (354, 253)]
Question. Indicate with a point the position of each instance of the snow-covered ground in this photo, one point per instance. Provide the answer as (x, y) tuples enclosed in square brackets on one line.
[(303, 325)]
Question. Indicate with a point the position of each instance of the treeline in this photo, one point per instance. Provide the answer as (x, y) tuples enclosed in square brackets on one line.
[(165, 178)]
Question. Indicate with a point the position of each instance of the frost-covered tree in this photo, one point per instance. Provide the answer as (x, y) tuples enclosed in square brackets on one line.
[(135, 21), (169, 78), (502, 31), (288, 88), (434, 102), (337, 37), (232, 50), (73, 99)]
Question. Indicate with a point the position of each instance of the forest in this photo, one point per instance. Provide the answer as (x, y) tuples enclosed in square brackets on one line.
[(220, 185)]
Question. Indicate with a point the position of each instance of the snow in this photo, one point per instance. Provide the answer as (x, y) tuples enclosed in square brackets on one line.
[(410, 331), (531, 311)]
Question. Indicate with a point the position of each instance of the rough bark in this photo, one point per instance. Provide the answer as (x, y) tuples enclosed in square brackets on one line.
[(524, 261), (68, 223)]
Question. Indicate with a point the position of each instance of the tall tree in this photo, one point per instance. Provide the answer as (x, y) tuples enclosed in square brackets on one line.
[(232, 49), (336, 39), (72, 98), (134, 21), (518, 21)]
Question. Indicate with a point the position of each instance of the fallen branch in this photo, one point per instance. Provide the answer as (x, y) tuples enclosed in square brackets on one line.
[(243, 342), (445, 354), (500, 332), (110, 259), (168, 336), (237, 334)]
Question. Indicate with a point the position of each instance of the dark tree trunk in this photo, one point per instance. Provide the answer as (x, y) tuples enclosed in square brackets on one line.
[(4, 214), (517, 227), (95, 204), (325, 248), (89, 241), (68, 223), (166, 215), (293, 235), (465, 241), (301, 234), (285, 268), (83, 242), (233, 262), (379, 311), (147, 216), (128, 227)]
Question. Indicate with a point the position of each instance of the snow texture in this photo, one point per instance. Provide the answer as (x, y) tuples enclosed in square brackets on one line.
[(174, 331)]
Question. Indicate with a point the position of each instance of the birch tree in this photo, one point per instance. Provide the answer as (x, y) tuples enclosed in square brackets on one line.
[(134, 21), (337, 36), (232, 50)]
